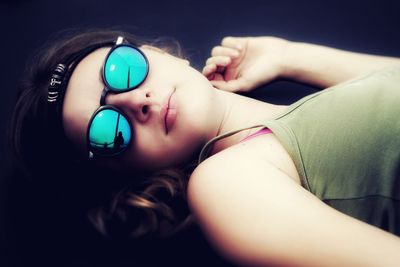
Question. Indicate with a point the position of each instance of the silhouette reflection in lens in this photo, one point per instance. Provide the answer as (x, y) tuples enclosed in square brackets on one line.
[(109, 132)]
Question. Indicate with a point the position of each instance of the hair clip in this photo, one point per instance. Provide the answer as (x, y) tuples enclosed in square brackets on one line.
[(56, 80)]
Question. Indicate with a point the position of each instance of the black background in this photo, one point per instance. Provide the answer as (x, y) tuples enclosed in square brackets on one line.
[(29, 235)]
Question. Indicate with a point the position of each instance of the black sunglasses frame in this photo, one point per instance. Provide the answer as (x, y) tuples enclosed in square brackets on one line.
[(108, 87), (92, 152)]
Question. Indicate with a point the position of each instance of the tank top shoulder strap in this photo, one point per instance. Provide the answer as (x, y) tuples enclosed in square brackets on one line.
[(268, 123), (206, 148)]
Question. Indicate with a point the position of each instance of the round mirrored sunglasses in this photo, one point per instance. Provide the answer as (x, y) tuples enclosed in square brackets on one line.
[(109, 131)]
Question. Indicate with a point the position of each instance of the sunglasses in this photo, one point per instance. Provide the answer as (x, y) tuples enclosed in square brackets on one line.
[(109, 131)]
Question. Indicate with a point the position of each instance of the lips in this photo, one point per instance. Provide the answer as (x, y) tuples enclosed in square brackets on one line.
[(164, 111)]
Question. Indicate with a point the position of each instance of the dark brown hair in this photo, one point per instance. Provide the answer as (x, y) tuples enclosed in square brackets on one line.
[(146, 204)]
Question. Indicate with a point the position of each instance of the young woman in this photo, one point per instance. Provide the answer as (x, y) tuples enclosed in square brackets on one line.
[(315, 183)]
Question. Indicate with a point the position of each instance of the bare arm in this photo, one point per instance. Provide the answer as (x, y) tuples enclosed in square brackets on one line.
[(264, 218), (325, 66), (260, 60)]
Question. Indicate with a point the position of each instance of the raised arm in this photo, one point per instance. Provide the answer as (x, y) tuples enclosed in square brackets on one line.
[(240, 64), (325, 66), (264, 218)]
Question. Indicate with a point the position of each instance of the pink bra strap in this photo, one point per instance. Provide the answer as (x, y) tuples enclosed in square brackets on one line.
[(262, 131)]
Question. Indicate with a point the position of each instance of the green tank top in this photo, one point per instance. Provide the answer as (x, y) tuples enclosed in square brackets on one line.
[(345, 144)]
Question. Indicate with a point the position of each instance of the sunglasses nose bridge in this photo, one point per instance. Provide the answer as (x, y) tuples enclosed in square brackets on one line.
[(103, 96)]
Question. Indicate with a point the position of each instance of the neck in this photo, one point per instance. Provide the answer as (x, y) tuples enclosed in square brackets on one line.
[(241, 112)]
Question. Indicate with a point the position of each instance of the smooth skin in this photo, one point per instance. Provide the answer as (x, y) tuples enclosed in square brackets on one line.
[(203, 112), (254, 212)]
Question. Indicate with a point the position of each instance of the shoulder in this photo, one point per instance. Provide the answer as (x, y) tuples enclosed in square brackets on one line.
[(260, 157), (264, 150), (250, 209), (243, 158), (235, 199), (232, 171)]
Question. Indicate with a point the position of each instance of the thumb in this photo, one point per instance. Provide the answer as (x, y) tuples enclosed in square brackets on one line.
[(238, 85)]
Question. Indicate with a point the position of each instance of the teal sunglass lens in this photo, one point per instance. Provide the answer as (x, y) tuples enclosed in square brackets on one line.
[(125, 67), (109, 132)]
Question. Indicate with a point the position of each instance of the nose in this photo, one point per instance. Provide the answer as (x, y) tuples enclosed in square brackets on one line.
[(137, 102)]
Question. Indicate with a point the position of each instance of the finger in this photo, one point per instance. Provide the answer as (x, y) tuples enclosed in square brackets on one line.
[(208, 69), (224, 51), (233, 42), (217, 77), (239, 85), (213, 73), (219, 60)]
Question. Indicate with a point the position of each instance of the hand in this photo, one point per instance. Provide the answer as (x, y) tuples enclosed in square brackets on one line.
[(241, 64)]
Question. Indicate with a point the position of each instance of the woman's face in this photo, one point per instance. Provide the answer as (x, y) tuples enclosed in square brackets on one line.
[(151, 147)]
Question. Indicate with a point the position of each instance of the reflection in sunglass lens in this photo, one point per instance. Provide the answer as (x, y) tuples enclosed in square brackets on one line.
[(109, 132), (125, 68)]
